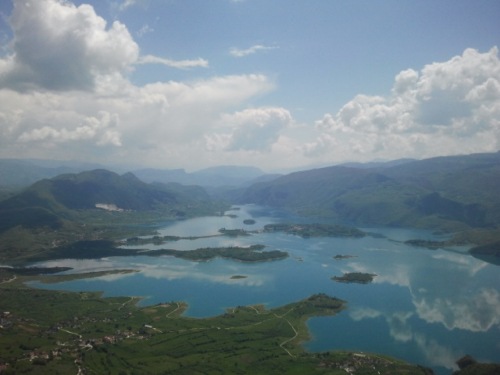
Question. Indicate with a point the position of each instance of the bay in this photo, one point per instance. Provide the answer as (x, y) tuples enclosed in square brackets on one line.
[(428, 307)]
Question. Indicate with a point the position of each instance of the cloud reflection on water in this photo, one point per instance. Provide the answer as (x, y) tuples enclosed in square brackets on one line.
[(169, 272), (477, 313), (167, 268), (445, 294), (402, 331)]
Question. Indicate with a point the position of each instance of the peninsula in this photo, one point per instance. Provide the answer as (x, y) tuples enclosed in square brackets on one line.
[(68, 332), (103, 248)]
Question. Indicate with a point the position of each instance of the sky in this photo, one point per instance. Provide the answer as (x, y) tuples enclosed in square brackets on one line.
[(276, 84)]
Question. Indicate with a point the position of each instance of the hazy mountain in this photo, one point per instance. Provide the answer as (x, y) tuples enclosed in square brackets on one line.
[(69, 164), (458, 191), (263, 178), (377, 164), (209, 177), (466, 178), (24, 172), (161, 175), (230, 170)]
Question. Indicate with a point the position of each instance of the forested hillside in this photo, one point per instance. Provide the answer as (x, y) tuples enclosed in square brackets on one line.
[(67, 194), (451, 193)]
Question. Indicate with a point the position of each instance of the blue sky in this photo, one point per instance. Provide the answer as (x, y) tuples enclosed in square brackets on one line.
[(274, 84)]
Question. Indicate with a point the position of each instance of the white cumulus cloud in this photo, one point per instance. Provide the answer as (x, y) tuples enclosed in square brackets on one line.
[(102, 130), (158, 121), (65, 92), (59, 46), (254, 129), (449, 107)]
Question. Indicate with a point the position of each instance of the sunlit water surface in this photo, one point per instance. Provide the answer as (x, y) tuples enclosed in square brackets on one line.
[(428, 307)]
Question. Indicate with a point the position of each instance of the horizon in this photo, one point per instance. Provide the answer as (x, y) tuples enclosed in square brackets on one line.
[(130, 168), (277, 86)]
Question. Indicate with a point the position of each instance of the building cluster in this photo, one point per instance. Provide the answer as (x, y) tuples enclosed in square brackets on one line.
[(4, 319), (355, 362)]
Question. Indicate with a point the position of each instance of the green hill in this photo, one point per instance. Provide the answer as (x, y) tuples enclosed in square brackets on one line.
[(451, 193), (467, 179), (91, 205), (48, 202)]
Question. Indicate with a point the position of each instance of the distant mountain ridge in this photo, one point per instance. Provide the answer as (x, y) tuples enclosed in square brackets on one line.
[(448, 192), (24, 172), (209, 177), (378, 164)]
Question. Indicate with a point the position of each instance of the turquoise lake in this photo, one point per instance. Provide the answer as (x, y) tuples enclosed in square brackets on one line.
[(428, 307)]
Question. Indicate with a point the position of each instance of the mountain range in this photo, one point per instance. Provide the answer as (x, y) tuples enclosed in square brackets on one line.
[(209, 177), (24, 172), (451, 193)]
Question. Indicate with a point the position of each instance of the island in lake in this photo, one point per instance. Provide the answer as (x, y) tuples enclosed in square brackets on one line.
[(236, 277), (314, 230), (355, 277), (340, 257), (242, 254), (249, 221), (233, 232)]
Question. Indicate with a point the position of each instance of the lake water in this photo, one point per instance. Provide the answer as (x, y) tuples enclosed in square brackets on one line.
[(428, 307)]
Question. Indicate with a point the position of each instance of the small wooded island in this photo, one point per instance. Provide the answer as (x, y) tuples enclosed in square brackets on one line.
[(233, 232), (341, 257), (315, 230), (355, 277)]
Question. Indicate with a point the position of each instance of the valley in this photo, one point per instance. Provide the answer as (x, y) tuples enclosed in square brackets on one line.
[(113, 236)]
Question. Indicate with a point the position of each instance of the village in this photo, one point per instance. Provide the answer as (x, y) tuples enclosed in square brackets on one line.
[(74, 347), (357, 361)]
